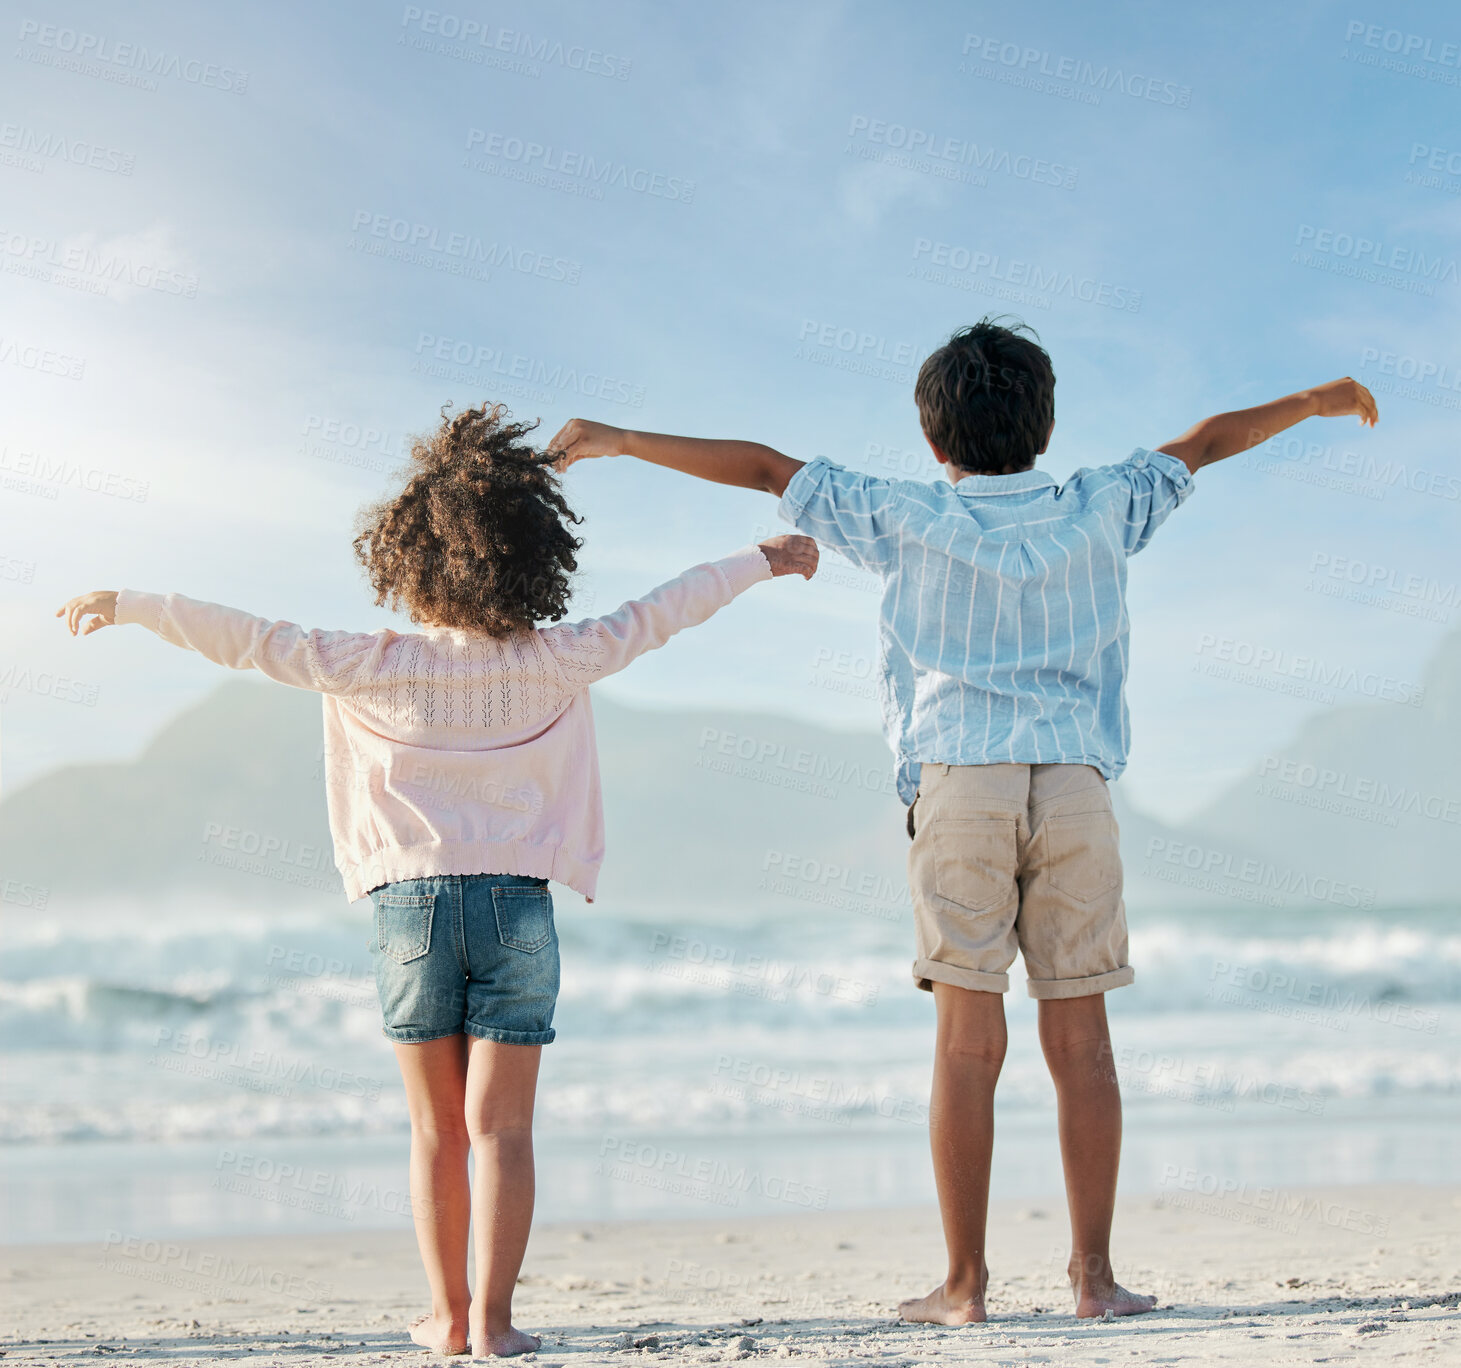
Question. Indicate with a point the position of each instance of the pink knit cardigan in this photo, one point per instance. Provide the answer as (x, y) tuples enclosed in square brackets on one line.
[(452, 752)]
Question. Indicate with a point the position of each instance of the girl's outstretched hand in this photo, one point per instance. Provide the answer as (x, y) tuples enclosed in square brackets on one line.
[(791, 554), (100, 606)]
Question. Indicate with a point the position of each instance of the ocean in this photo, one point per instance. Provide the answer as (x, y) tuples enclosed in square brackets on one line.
[(185, 1070)]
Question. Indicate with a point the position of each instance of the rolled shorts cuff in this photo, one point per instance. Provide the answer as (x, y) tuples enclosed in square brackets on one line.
[(927, 972), (500, 1037), (1081, 987), (417, 1035)]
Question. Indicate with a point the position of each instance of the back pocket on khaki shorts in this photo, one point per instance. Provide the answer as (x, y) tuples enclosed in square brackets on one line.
[(974, 860), (1084, 854)]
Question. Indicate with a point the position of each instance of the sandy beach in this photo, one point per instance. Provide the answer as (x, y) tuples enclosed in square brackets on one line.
[(1255, 1277)]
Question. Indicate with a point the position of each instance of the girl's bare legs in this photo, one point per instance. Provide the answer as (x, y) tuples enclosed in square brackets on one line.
[(501, 1083), (435, 1074)]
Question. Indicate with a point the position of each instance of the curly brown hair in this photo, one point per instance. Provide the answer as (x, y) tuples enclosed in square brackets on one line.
[(478, 538)]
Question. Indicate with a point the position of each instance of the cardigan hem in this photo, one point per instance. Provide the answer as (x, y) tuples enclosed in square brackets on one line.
[(396, 863)]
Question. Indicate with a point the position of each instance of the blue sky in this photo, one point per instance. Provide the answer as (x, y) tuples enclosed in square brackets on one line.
[(198, 293)]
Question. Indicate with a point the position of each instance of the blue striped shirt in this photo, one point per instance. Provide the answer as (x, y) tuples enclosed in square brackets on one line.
[(1003, 627)]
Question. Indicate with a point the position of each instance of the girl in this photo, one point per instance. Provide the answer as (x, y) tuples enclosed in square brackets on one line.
[(462, 776)]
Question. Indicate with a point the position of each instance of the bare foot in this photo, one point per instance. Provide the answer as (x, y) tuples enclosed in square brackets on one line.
[(504, 1345), (1111, 1299), (440, 1334), (940, 1307)]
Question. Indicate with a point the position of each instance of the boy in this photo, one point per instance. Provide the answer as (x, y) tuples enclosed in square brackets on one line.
[(1003, 636)]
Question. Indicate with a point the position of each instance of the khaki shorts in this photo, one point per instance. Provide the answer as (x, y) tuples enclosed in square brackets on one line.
[(1017, 856)]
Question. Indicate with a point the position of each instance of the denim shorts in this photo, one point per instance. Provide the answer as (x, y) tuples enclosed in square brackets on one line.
[(473, 953)]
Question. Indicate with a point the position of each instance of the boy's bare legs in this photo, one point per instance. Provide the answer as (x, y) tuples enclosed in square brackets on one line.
[(967, 1059), (435, 1074), (1077, 1045), (501, 1083)]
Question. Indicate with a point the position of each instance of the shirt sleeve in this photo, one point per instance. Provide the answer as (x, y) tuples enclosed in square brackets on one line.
[(852, 513), (325, 662), (1150, 485), (597, 647)]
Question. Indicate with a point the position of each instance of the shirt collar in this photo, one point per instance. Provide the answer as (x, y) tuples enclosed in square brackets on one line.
[(1020, 481)]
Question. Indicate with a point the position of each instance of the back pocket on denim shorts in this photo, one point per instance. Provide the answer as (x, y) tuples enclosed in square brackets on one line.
[(524, 917), (403, 925)]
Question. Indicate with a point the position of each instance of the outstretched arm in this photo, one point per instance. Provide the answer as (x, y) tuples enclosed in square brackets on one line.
[(1226, 434), (747, 465), (327, 662), (588, 651)]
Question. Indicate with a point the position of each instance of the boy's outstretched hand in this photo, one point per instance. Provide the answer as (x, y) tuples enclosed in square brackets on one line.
[(746, 465), (579, 439), (1226, 434), (100, 606), (791, 554), (1340, 398)]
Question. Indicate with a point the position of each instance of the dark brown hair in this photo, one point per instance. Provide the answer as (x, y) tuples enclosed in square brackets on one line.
[(986, 398), (478, 538)]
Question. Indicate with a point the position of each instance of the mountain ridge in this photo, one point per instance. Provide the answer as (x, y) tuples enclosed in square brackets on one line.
[(718, 807)]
